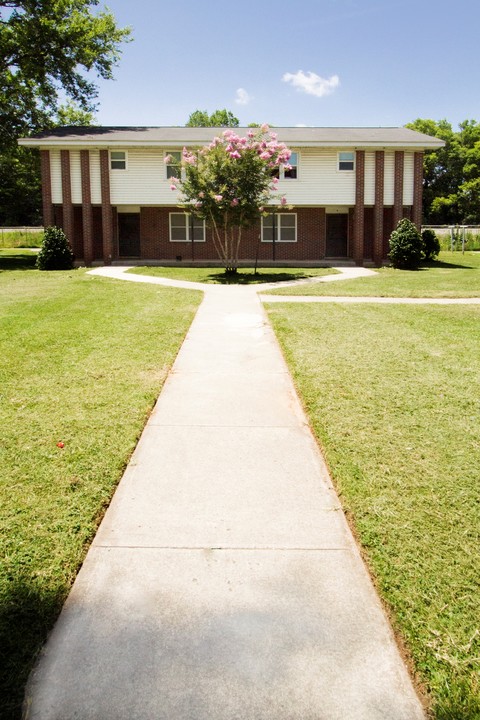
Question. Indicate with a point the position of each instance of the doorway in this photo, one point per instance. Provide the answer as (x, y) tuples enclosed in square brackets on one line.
[(337, 235), (129, 235)]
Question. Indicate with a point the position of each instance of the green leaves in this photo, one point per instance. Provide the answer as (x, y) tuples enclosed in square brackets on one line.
[(451, 173), (48, 46)]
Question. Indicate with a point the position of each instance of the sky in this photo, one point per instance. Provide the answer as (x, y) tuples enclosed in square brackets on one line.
[(295, 62)]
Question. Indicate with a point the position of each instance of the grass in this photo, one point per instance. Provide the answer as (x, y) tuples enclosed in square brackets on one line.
[(20, 238), (243, 277), (453, 275), (17, 259), (393, 396), (82, 361)]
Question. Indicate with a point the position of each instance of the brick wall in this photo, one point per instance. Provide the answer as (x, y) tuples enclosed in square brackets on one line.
[(155, 243), (47, 206)]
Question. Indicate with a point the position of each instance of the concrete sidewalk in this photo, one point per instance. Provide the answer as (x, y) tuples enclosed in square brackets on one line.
[(224, 583)]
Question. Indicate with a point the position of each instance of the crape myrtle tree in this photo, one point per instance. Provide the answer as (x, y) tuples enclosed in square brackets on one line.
[(229, 183)]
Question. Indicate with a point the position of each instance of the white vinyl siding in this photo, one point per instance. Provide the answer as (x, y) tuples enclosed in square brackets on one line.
[(389, 178), (95, 184), (408, 179), (143, 182), (75, 177), (56, 177), (319, 182)]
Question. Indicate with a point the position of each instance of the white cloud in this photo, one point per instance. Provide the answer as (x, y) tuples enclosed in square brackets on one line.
[(242, 97), (311, 83)]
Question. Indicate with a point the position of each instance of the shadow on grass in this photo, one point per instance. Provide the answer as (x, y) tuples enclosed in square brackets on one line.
[(249, 278), (18, 261), (448, 265), (27, 614)]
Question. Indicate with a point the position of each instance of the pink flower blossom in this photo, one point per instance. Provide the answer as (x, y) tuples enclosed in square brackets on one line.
[(235, 155), (167, 159), (234, 202), (265, 155), (283, 200), (265, 128), (173, 187), (218, 198)]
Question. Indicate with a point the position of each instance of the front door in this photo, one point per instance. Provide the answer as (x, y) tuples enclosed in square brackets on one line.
[(337, 235), (129, 235)]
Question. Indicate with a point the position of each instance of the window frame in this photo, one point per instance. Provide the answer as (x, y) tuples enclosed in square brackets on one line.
[(170, 166), (117, 160), (344, 160), (187, 227), (278, 227), (280, 171)]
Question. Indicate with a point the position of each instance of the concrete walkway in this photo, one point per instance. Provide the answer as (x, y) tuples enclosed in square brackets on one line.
[(224, 583)]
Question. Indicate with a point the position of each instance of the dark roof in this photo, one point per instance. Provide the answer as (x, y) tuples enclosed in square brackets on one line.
[(102, 136)]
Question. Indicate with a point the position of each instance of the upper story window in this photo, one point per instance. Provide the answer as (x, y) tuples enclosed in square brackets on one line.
[(185, 227), (118, 160), (279, 227), (346, 161), (173, 164), (290, 172)]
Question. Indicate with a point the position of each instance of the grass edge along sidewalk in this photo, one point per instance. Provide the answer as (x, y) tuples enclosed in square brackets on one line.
[(453, 275), (83, 360), (392, 393)]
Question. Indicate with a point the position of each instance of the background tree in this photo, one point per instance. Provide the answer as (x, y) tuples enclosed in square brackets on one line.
[(229, 182), (452, 173), (219, 118), (49, 50)]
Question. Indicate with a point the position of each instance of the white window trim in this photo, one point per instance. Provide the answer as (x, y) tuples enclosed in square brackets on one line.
[(281, 169), (278, 228), (125, 153), (339, 169), (187, 226), (167, 165)]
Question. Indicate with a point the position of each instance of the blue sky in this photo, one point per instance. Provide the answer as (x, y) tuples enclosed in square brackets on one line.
[(323, 62)]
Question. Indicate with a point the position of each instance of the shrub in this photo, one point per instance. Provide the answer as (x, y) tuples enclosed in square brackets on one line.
[(406, 246), (431, 245), (55, 253)]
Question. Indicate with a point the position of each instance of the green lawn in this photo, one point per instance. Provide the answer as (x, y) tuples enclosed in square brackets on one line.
[(453, 275), (82, 361), (393, 394), (245, 276), (20, 238)]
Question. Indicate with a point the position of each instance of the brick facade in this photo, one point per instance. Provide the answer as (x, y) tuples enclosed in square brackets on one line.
[(417, 189), (358, 215), (107, 214), (47, 205), (398, 187), (67, 195), (377, 250)]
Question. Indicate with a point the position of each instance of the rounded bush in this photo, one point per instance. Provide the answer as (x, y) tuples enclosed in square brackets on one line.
[(406, 246), (431, 244), (55, 253)]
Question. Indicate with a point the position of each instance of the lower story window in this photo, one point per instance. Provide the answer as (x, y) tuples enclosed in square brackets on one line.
[(279, 227), (185, 227)]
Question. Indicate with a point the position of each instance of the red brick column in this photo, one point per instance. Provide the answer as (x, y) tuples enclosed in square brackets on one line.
[(398, 187), (87, 213), (67, 195), (322, 232), (378, 209), (358, 217), (107, 219), (417, 189), (47, 205)]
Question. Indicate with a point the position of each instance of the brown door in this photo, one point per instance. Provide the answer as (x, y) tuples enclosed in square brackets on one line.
[(129, 234), (337, 235)]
